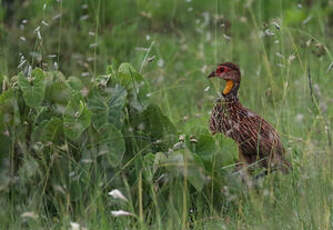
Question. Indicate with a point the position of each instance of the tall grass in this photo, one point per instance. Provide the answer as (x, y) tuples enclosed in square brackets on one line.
[(284, 50)]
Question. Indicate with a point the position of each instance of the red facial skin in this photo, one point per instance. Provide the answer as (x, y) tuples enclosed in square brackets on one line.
[(220, 71)]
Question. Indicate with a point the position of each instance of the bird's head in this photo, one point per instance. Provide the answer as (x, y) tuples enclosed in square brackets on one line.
[(231, 74)]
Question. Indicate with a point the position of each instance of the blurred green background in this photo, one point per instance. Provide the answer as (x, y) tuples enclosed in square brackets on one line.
[(183, 40), (284, 50)]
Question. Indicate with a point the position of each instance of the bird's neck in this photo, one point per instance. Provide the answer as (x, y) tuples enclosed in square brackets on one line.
[(230, 92), (227, 102), (231, 97)]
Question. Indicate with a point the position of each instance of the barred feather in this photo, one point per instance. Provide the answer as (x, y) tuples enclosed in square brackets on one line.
[(257, 140)]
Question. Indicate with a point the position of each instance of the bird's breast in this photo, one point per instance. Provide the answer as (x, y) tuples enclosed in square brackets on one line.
[(224, 119)]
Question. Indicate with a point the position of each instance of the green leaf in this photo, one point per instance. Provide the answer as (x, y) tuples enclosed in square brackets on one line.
[(99, 108), (204, 147), (102, 80), (153, 131), (34, 89), (138, 97), (53, 76), (48, 130), (110, 69), (108, 108), (137, 86), (77, 117), (294, 16), (116, 105), (158, 124), (154, 126), (111, 143), (228, 152), (127, 75), (159, 159), (183, 163), (75, 83), (58, 93)]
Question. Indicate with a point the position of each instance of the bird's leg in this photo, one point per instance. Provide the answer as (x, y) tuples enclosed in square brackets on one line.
[(243, 167), (242, 162)]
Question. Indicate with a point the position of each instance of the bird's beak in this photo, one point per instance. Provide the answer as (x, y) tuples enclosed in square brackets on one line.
[(212, 74)]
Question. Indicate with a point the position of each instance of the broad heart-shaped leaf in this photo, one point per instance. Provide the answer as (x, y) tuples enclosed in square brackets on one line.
[(75, 83), (110, 69), (137, 86), (138, 98), (111, 143), (182, 162), (77, 117), (99, 108), (58, 93), (34, 91), (107, 107), (204, 147), (153, 129), (116, 105), (48, 130), (52, 76), (127, 75), (161, 130)]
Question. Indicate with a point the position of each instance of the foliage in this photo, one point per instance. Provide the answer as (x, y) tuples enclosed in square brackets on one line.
[(75, 123), (111, 118)]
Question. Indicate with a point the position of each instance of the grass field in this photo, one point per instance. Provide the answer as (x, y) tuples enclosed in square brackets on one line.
[(77, 121)]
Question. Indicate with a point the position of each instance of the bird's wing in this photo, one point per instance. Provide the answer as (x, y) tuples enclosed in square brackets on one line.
[(256, 133)]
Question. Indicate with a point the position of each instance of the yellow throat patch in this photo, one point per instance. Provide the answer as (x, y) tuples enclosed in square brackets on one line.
[(228, 87)]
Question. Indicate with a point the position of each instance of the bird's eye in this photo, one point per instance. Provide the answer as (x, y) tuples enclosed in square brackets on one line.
[(221, 69)]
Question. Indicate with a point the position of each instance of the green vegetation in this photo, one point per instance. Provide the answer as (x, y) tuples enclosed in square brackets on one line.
[(77, 121)]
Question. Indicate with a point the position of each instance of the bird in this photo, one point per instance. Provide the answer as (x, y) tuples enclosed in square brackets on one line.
[(259, 144)]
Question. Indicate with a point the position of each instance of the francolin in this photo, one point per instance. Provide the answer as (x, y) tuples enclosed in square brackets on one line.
[(258, 142)]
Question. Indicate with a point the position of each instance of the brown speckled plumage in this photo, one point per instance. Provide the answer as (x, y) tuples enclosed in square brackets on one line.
[(258, 142)]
